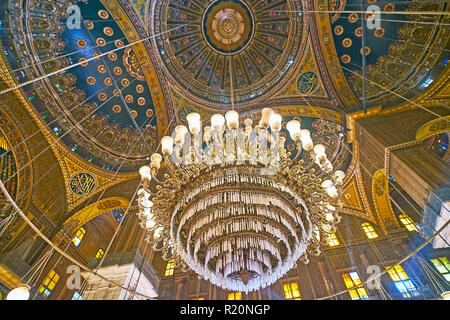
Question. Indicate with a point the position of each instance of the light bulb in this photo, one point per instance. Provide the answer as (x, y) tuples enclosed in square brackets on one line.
[(275, 122), (305, 138), (266, 113), (232, 118), (145, 173), (180, 133), (167, 145), (329, 217), (319, 151), (194, 123), (293, 127), (22, 292), (217, 121), (339, 175), (155, 160), (207, 134), (158, 232)]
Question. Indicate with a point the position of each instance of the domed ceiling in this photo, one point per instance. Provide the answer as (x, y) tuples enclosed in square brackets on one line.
[(136, 68), (258, 40)]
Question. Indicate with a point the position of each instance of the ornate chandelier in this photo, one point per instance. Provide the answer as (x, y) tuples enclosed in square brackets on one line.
[(233, 205)]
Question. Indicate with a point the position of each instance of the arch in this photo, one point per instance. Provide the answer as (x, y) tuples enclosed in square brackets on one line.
[(94, 210), (381, 200), (433, 127)]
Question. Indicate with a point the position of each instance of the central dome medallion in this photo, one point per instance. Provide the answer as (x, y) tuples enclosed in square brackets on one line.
[(228, 27), (197, 41)]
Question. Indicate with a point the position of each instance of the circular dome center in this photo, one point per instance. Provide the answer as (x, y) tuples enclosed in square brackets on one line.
[(228, 26)]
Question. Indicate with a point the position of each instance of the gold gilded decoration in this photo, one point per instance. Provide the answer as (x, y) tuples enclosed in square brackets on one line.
[(125, 82), (108, 81), (338, 30), (307, 82), (102, 96), (119, 43), (134, 113), (89, 24), (84, 64), (116, 108), (353, 17), (91, 80), (81, 43), (368, 50), (358, 32), (149, 113), (112, 56), (433, 127), (117, 71), (100, 42), (346, 58), (132, 65), (101, 68), (94, 210), (347, 42), (380, 194), (379, 32), (141, 101), (103, 14), (139, 88), (108, 31), (82, 183), (129, 98)]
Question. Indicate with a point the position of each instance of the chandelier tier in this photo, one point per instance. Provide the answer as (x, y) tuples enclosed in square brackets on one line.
[(235, 206)]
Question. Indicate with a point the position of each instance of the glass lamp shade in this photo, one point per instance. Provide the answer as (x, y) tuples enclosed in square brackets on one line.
[(158, 232), (150, 224), (275, 122), (305, 138), (232, 118), (145, 172), (207, 134), (266, 113), (329, 217), (194, 123), (180, 133), (332, 192), (339, 175), (167, 145), (156, 160), (22, 292), (326, 184), (217, 121), (293, 127), (319, 151)]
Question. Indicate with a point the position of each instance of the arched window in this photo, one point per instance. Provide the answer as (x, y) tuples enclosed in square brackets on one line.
[(170, 268), (351, 280), (79, 236), (291, 291), (118, 215), (235, 296), (402, 282), (332, 240), (407, 222), (443, 266), (100, 254), (49, 283), (369, 230)]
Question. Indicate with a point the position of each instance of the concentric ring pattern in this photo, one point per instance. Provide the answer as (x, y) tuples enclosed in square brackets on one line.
[(198, 40)]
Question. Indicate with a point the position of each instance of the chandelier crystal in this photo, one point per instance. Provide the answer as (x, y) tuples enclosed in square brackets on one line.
[(233, 205)]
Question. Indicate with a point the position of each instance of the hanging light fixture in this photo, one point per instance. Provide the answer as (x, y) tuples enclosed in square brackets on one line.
[(22, 292), (233, 205)]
